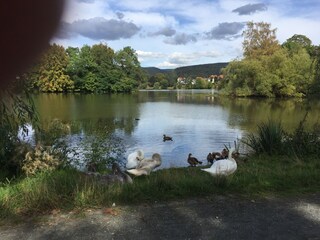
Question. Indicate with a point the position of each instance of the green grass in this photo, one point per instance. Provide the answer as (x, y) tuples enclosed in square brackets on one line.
[(68, 189)]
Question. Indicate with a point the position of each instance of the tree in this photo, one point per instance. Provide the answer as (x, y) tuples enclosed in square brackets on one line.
[(315, 86), (296, 42), (89, 69), (259, 40), (268, 69), (129, 64), (277, 75), (201, 83), (103, 57), (127, 59), (82, 68), (72, 67), (164, 83), (52, 71), (17, 111)]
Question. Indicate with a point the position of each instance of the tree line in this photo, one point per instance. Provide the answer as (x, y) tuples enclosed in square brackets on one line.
[(271, 69), (96, 68), (267, 69)]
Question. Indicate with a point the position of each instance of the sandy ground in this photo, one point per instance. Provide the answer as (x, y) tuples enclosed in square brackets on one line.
[(217, 217)]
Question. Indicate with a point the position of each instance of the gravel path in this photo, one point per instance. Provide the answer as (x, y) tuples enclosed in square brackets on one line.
[(219, 217)]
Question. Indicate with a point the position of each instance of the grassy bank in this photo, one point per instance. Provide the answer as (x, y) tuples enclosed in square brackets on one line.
[(69, 189)]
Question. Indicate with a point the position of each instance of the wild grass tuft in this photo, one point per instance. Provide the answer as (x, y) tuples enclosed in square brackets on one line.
[(272, 139), (269, 139)]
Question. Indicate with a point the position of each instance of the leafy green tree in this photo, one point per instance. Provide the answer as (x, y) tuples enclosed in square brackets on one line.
[(124, 84), (296, 42), (151, 81), (156, 85), (90, 82), (127, 60), (201, 83), (107, 72), (267, 69), (164, 83), (82, 68), (315, 86), (89, 69), (72, 68), (129, 64)]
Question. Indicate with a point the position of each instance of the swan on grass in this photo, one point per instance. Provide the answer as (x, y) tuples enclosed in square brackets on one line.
[(146, 166), (134, 158), (223, 167), (117, 176)]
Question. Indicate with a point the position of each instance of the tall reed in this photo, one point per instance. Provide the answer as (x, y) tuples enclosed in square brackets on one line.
[(269, 139)]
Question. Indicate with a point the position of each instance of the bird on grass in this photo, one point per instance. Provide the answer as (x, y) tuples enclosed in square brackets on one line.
[(193, 161), (117, 176), (146, 166), (223, 167), (134, 158)]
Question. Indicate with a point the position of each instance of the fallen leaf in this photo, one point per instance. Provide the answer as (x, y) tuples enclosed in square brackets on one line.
[(55, 211), (110, 211)]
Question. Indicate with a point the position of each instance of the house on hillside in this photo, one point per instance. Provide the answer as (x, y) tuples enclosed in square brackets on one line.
[(181, 80), (214, 78)]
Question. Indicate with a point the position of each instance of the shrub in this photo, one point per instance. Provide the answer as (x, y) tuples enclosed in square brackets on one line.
[(40, 159), (269, 139), (302, 142), (273, 140), (16, 112)]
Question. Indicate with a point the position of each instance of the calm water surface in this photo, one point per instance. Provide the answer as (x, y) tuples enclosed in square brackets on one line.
[(199, 121)]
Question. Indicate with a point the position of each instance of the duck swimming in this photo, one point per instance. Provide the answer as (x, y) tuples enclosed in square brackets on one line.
[(223, 167), (193, 161), (146, 166), (134, 158), (167, 138)]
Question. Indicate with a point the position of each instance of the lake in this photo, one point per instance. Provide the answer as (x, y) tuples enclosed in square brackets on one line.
[(199, 121)]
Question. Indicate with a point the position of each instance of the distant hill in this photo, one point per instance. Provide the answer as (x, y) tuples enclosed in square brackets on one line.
[(153, 70), (202, 70)]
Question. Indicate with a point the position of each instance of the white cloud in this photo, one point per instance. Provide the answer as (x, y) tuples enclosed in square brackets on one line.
[(176, 33), (167, 64), (150, 54), (178, 59)]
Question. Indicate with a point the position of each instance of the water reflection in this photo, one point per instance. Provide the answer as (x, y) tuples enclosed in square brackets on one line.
[(200, 121)]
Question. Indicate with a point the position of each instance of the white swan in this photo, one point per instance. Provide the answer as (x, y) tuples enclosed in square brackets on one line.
[(223, 167), (134, 158), (146, 166)]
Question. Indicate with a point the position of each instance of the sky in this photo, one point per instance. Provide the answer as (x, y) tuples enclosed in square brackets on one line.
[(174, 33)]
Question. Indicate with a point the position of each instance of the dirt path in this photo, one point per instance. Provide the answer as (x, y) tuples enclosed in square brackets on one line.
[(219, 217)]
